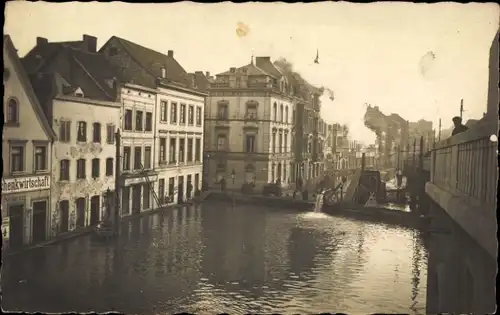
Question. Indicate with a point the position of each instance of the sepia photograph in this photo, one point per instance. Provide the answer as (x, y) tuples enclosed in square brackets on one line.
[(250, 158)]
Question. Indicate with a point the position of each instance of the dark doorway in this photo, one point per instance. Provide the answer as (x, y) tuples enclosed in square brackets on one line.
[(136, 199), (39, 221), (189, 187), (94, 210), (80, 212), (16, 225), (180, 190), (64, 215), (126, 200)]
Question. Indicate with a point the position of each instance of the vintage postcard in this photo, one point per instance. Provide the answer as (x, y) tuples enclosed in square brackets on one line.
[(251, 158)]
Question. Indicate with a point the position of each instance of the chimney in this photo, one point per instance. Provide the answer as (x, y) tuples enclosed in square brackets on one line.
[(41, 41), (90, 43), (207, 74), (260, 60), (232, 69), (170, 53), (164, 72)]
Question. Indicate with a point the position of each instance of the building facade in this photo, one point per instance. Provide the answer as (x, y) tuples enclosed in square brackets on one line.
[(169, 94), (26, 145), (77, 88), (179, 138), (249, 126)]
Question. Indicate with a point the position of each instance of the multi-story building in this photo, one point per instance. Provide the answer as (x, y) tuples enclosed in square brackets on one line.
[(77, 89), (173, 146), (249, 126), (26, 145)]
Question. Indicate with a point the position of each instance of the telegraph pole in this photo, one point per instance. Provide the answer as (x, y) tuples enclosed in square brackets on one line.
[(461, 107), (439, 134), (117, 182)]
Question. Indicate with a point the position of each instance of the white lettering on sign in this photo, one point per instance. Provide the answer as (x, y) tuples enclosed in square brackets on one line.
[(24, 184)]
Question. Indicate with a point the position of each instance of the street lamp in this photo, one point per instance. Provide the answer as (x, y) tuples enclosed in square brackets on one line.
[(233, 175)]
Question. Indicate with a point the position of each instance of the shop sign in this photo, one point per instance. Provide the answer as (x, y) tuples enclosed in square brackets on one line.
[(5, 228), (25, 184)]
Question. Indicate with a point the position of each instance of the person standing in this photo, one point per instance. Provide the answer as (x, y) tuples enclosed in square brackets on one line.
[(459, 127)]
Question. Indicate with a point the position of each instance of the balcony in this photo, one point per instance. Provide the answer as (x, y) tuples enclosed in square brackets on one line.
[(259, 85), (219, 85), (251, 120), (222, 121)]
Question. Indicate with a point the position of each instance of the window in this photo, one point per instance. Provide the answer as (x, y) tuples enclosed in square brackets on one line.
[(147, 157), (80, 212), (110, 133), (126, 158), (182, 114), (137, 158), (161, 190), (163, 150), (40, 158), (221, 143), (149, 121), (171, 187), (198, 116), (172, 151), (222, 112), (96, 138), (286, 143), (286, 114), (163, 110), (96, 168), (196, 182), (273, 142), (109, 167), (64, 170), (81, 135), (12, 111), (275, 111), (251, 113), (80, 169), (293, 116), (181, 150), (173, 113), (17, 159), (281, 113), (250, 143), (280, 139), (191, 115), (138, 120), (64, 131), (197, 156), (190, 150), (127, 121)]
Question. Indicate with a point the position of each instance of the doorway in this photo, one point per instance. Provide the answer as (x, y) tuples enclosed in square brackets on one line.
[(136, 199), (180, 190), (39, 221), (80, 212), (126, 200), (64, 215), (94, 210), (189, 187), (16, 225)]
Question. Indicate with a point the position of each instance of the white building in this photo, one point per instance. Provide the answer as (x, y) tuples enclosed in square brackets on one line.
[(137, 149), (179, 135), (26, 145)]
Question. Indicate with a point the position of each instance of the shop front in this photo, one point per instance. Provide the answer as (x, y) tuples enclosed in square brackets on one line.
[(25, 210), (136, 192)]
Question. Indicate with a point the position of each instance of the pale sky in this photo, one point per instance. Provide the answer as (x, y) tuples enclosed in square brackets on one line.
[(368, 53)]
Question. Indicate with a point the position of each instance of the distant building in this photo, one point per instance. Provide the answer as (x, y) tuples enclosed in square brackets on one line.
[(27, 163)]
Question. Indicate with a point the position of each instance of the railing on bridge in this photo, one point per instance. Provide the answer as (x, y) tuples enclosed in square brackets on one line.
[(467, 164)]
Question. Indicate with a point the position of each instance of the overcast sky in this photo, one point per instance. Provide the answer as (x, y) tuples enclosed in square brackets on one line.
[(417, 60)]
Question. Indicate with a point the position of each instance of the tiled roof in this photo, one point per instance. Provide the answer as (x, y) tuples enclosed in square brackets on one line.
[(202, 82), (28, 88), (152, 62), (267, 65), (42, 54), (251, 69)]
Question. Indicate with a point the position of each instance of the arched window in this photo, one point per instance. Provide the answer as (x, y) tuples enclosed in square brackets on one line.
[(275, 111), (286, 114), (12, 111), (281, 113)]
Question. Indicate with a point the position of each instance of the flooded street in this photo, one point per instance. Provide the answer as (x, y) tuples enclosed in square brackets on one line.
[(212, 258)]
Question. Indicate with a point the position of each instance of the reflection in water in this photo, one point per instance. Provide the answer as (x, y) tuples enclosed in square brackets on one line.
[(226, 259)]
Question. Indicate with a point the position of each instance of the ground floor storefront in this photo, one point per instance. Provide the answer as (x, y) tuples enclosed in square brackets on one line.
[(25, 211), (177, 185)]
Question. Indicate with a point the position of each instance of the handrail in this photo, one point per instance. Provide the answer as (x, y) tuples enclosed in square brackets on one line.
[(151, 188)]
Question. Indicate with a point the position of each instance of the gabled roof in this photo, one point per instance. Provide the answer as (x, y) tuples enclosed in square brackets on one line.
[(25, 82), (40, 55), (265, 64), (152, 62), (251, 69)]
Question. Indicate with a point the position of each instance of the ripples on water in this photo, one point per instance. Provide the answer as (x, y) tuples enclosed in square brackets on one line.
[(219, 259)]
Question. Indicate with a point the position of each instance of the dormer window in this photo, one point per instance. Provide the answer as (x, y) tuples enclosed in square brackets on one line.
[(244, 70)]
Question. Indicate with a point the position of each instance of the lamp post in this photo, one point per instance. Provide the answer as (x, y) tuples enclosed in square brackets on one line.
[(233, 175), (117, 182)]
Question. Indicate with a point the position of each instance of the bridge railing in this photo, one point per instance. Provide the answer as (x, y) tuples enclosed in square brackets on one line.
[(467, 164)]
